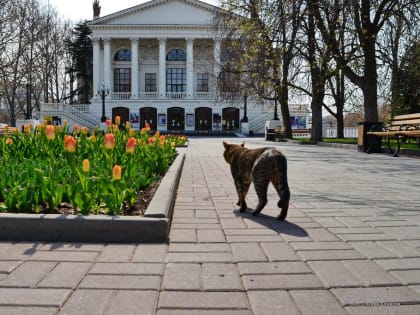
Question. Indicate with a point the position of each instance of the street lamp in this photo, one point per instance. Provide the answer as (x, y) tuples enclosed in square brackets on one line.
[(245, 118), (103, 91)]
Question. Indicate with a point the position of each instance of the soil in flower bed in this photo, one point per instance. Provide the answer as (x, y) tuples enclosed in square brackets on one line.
[(144, 197)]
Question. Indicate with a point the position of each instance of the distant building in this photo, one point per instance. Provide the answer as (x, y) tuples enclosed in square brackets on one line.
[(161, 62)]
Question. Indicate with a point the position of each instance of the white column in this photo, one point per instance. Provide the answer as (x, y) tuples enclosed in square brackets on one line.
[(216, 53), (162, 67), (95, 67), (134, 68), (190, 68), (107, 63)]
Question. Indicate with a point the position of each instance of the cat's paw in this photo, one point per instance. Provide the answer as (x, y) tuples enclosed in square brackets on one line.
[(242, 209)]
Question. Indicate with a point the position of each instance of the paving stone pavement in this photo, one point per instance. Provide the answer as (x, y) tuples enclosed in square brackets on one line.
[(350, 245)]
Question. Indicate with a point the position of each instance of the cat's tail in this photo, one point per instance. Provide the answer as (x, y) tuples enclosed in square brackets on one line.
[(283, 188)]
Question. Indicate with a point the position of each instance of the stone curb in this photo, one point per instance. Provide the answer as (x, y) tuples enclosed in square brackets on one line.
[(153, 227)]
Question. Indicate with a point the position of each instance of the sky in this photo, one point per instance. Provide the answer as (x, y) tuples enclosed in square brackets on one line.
[(77, 10)]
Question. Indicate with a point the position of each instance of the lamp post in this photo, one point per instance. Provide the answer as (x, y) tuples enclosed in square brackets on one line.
[(275, 105), (103, 91), (245, 118)]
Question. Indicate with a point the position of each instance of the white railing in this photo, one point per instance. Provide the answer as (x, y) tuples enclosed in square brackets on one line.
[(148, 95), (175, 95), (349, 132), (121, 95)]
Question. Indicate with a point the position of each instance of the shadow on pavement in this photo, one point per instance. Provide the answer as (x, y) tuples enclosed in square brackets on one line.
[(284, 227)]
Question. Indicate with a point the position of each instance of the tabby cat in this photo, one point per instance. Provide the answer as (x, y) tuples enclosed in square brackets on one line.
[(261, 166)]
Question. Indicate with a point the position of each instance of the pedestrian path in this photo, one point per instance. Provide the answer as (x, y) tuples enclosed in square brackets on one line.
[(350, 245)]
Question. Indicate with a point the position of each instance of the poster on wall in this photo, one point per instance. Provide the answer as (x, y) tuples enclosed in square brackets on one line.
[(134, 120), (190, 120), (298, 122), (162, 119)]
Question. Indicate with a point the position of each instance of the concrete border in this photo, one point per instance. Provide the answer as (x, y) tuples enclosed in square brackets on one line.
[(153, 227)]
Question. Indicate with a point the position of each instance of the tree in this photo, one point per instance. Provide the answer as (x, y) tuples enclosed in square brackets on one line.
[(407, 94), (368, 19), (264, 36), (80, 49)]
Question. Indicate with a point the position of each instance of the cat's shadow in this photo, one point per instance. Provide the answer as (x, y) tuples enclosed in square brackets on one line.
[(283, 227)]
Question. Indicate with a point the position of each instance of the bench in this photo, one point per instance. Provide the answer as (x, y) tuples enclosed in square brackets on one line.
[(7, 130), (279, 133), (402, 128)]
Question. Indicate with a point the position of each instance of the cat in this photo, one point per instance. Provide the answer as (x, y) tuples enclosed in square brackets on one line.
[(261, 166)]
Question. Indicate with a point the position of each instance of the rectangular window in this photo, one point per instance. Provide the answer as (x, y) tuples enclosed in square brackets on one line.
[(176, 80), (202, 82), (122, 80), (150, 82)]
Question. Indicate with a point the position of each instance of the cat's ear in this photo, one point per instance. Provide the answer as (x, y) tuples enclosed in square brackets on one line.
[(225, 144), (243, 144)]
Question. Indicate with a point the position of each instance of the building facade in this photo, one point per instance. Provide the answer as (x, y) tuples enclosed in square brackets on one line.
[(161, 63)]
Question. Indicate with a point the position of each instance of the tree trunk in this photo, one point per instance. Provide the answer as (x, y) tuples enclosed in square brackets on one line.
[(370, 83)]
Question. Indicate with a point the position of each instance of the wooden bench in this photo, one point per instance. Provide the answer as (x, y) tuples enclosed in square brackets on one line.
[(402, 128), (7, 130)]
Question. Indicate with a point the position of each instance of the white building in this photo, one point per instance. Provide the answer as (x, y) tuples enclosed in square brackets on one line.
[(161, 63)]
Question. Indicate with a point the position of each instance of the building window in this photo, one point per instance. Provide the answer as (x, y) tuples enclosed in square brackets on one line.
[(176, 80), (123, 55), (150, 82), (176, 54), (202, 82), (122, 80)]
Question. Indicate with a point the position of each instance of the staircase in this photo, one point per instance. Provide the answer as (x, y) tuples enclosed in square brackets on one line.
[(76, 114)]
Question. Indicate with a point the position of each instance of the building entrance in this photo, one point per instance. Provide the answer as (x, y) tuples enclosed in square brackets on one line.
[(176, 119), (203, 119), (148, 115), (230, 119)]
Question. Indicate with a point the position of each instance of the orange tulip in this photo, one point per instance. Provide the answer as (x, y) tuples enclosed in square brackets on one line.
[(151, 141), (109, 141), (50, 132), (108, 122), (26, 128), (9, 141), (69, 144), (93, 138), (86, 165), (76, 129), (84, 130), (116, 172), (117, 120), (131, 145)]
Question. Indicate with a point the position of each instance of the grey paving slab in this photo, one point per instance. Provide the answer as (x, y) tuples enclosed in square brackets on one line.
[(28, 274), (317, 302), (221, 277), (182, 277), (65, 275), (272, 303), (203, 300), (269, 268), (87, 302), (143, 282), (133, 302), (33, 297)]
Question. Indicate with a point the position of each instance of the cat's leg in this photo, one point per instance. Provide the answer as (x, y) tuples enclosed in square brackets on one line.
[(242, 189), (261, 186), (279, 180)]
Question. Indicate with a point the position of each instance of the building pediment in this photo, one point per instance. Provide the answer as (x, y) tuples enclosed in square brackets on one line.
[(161, 12)]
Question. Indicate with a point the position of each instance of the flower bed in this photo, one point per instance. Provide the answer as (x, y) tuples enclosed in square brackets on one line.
[(47, 168)]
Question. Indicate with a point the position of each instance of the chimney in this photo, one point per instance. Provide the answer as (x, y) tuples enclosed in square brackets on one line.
[(96, 9)]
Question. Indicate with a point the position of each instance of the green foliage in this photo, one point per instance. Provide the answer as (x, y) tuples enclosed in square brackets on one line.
[(38, 170), (407, 99)]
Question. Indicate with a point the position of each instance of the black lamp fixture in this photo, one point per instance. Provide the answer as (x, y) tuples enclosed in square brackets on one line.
[(103, 91)]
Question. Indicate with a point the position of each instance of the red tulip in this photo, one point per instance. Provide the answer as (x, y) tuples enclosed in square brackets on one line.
[(116, 172), (131, 145), (69, 144), (109, 141)]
